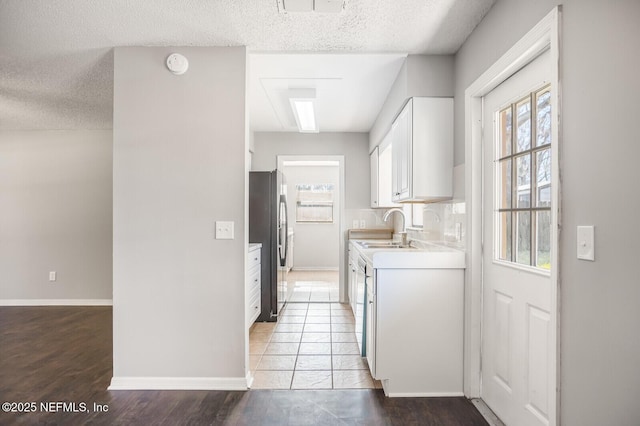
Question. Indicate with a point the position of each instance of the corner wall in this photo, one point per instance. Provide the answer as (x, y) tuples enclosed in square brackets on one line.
[(354, 147), (421, 75), (55, 215), (600, 342), (179, 166)]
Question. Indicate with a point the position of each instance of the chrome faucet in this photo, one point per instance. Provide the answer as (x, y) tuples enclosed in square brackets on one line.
[(403, 233)]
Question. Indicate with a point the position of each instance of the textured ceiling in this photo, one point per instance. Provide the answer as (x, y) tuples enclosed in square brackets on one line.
[(57, 61)]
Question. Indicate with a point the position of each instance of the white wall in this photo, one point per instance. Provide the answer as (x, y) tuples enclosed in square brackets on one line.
[(600, 342), (354, 147), (55, 215), (421, 75), (316, 245), (179, 165)]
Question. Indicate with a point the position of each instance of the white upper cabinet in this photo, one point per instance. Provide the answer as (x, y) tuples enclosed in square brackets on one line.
[(422, 160), (373, 163), (381, 170)]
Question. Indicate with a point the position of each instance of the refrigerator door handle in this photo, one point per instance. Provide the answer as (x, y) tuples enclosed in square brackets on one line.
[(284, 229)]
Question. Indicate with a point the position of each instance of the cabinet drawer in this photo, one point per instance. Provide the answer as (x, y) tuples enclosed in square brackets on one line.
[(253, 258), (253, 290), (253, 279), (253, 309)]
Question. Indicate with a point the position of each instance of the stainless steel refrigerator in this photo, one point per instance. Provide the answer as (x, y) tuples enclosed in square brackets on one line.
[(268, 225)]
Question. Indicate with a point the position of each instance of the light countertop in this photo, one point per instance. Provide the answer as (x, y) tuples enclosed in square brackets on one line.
[(420, 256)]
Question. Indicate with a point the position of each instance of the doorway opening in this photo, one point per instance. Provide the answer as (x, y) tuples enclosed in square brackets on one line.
[(313, 345), (512, 278), (315, 188)]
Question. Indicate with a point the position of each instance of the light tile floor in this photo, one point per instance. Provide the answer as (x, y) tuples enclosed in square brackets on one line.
[(314, 286), (312, 346)]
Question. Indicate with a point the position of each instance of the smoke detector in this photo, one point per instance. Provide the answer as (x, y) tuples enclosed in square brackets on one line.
[(321, 6)]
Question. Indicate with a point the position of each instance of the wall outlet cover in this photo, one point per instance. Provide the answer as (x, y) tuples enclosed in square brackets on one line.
[(224, 230), (585, 243)]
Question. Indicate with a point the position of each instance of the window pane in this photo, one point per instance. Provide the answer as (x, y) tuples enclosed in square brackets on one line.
[(505, 132), (523, 238), (543, 118), (523, 119), (523, 181), (543, 178), (543, 239), (504, 179), (504, 242), (314, 202)]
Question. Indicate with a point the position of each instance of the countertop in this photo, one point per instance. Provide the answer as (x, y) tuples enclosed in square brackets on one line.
[(420, 256), (253, 246)]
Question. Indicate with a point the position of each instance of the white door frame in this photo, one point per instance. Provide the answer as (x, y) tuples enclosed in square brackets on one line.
[(545, 35), (340, 159)]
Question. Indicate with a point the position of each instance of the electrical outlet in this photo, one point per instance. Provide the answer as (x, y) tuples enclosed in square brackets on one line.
[(52, 276), (363, 224), (224, 230)]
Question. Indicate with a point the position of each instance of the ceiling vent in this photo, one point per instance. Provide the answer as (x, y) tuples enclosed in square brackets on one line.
[(321, 6)]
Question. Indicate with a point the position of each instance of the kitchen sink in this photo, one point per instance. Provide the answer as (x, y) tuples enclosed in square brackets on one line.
[(389, 245)]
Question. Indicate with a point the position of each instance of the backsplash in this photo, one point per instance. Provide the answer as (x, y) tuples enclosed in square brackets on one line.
[(443, 222), (370, 218)]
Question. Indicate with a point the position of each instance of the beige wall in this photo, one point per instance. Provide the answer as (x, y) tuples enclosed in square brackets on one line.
[(421, 75), (354, 147), (55, 215), (179, 166)]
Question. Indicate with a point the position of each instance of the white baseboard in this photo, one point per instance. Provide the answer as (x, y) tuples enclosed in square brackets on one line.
[(179, 383), (314, 268), (56, 302), (390, 394), (423, 394)]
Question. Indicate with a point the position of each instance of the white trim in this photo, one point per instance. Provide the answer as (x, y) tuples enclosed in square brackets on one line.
[(314, 268), (545, 35), (56, 302), (423, 394), (249, 379), (178, 383)]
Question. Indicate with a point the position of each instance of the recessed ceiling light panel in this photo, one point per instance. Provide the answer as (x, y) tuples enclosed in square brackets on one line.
[(298, 5), (321, 6), (329, 6), (303, 106)]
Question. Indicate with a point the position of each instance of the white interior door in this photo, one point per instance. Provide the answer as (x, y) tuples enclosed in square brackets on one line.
[(518, 343)]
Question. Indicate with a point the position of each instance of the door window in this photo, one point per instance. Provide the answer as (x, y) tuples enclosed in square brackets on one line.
[(523, 181)]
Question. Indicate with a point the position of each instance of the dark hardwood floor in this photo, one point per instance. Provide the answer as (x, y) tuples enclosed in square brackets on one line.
[(63, 354)]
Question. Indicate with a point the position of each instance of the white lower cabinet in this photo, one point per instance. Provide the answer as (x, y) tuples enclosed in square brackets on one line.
[(351, 281), (414, 331), (253, 285)]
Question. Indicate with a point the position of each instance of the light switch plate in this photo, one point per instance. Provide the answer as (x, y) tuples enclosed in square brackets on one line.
[(224, 230), (363, 224), (355, 224), (585, 243)]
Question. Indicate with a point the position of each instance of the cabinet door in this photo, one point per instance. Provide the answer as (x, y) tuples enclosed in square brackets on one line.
[(370, 325), (373, 162), (402, 134), (385, 172)]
